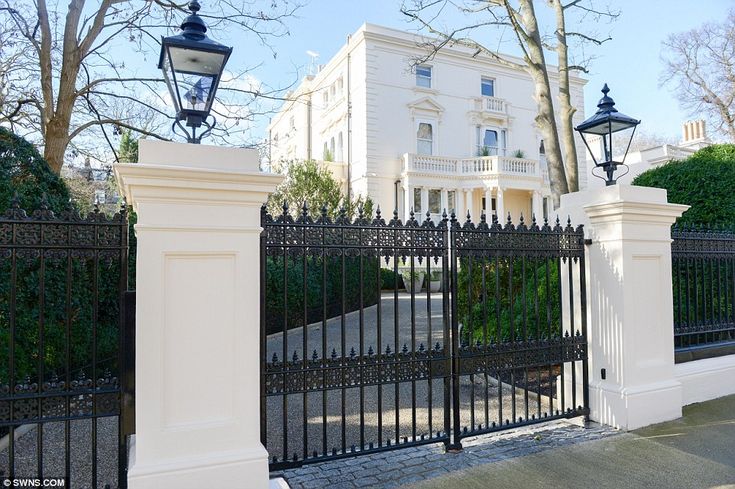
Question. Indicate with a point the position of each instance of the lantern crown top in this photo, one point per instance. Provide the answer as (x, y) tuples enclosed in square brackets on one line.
[(607, 118), (606, 104), (193, 26)]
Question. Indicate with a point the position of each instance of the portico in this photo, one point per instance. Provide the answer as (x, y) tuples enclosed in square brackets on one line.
[(493, 185)]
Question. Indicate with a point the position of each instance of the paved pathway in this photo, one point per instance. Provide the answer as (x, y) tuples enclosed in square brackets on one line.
[(405, 466), (693, 452)]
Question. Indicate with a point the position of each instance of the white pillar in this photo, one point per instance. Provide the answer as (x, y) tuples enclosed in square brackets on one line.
[(469, 205), (420, 216), (537, 206), (630, 306), (500, 205), (197, 316), (407, 201), (489, 205), (461, 210)]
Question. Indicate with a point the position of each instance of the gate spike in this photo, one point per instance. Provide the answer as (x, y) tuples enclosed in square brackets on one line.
[(275, 358), (469, 219), (405, 348), (334, 353), (421, 348), (387, 350), (510, 220), (437, 347), (324, 211), (352, 352), (483, 218), (314, 355), (295, 357), (370, 351), (377, 212)]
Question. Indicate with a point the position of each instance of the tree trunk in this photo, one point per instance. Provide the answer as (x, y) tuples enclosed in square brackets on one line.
[(57, 140), (565, 103), (542, 93)]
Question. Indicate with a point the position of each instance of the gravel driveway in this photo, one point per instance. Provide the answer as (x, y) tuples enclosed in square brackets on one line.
[(420, 404)]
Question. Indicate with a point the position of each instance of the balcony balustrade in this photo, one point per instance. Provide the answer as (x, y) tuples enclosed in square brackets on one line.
[(478, 166)]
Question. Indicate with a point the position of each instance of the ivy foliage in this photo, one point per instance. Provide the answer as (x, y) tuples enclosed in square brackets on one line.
[(24, 171), (705, 181)]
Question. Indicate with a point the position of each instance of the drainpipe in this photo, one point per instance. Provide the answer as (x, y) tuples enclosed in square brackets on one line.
[(270, 145), (396, 185), (308, 128), (349, 125)]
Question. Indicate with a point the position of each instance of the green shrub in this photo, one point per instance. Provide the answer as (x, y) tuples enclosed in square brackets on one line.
[(24, 171), (705, 181), (388, 279), (285, 304), (478, 311), (63, 301)]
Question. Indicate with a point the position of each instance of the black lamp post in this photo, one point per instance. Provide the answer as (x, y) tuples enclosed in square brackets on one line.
[(192, 66), (604, 123)]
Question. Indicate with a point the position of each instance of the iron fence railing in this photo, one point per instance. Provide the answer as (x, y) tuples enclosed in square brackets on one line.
[(478, 349), (62, 279), (703, 273)]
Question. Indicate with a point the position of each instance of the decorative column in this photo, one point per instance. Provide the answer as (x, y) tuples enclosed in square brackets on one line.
[(469, 204), (489, 204), (197, 371), (460, 211), (537, 206), (630, 305), (424, 204), (407, 201), (500, 206)]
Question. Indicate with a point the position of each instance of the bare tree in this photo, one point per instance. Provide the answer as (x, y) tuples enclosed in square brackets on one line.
[(523, 24), (700, 66), (64, 78)]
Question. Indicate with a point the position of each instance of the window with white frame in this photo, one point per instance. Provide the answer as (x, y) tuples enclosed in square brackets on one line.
[(340, 145), (490, 142), (325, 98), (425, 139), (451, 201), (487, 86), (340, 84), (423, 76), (417, 201), (435, 201)]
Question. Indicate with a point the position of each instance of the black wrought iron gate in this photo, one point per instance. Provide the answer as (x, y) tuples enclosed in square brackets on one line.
[(490, 332), (62, 279)]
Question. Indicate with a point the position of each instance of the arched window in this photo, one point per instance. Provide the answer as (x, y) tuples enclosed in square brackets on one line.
[(340, 148), (425, 139)]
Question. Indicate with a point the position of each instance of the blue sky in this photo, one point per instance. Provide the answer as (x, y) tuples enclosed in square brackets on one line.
[(629, 63)]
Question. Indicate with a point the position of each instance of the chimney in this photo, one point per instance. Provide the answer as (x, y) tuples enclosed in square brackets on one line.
[(694, 134)]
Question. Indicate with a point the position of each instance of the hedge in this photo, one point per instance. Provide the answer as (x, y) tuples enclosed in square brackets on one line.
[(705, 181), (481, 325), (276, 313)]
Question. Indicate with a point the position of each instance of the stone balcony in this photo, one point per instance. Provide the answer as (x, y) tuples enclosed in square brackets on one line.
[(480, 166), (493, 106)]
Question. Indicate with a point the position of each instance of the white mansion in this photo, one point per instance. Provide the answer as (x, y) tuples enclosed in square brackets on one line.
[(457, 132)]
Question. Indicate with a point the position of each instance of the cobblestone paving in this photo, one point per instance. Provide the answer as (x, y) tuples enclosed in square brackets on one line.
[(405, 466)]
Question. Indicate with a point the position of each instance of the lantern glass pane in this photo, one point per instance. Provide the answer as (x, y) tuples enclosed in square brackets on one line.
[(195, 61), (170, 78), (195, 91)]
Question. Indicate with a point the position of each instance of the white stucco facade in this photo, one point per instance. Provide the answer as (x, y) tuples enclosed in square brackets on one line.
[(414, 137)]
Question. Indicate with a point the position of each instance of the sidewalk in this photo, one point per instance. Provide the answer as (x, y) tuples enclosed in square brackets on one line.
[(696, 451)]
